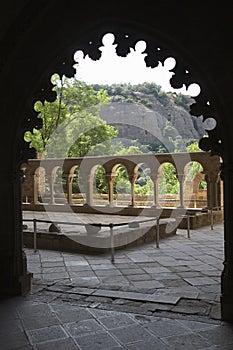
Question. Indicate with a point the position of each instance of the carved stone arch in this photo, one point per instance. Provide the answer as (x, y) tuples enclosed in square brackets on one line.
[(159, 47)]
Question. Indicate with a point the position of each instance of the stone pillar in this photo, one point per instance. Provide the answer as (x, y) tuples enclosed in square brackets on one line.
[(227, 274), (212, 191), (69, 182), (155, 180), (15, 280), (181, 178), (51, 187), (110, 178), (28, 187), (132, 179), (35, 188), (89, 190)]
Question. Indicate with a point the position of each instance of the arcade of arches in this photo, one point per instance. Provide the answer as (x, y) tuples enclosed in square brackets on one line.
[(36, 190), (39, 38)]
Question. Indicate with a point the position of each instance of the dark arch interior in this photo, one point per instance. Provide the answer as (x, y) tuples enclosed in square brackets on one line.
[(39, 39)]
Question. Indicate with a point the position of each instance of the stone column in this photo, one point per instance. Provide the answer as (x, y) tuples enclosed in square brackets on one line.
[(89, 189), (69, 182), (181, 178), (155, 180), (35, 188), (110, 178), (227, 274), (51, 187), (15, 279), (132, 179), (28, 187), (212, 192)]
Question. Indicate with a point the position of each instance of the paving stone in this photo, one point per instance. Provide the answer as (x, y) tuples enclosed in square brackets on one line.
[(69, 313), (187, 341), (103, 267), (164, 276), (61, 344), (97, 300), (17, 340), (211, 289), (84, 274), (37, 316), (143, 265), (85, 291), (132, 271), (215, 311), (125, 265), (99, 313), (178, 282), (52, 264), (51, 258), (78, 268), (55, 276), (10, 326), (58, 288), (164, 327), (197, 281), (192, 307), (195, 325), (156, 344), (116, 321), (142, 277), (53, 269), (139, 257), (85, 281), (67, 297), (76, 263), (166, 299), (137, 296), (152, 284), (155, 270), (131, 334), (120, 280), (46, 333), (220, 335), (95, 261), (109, 272), (81, 328), (98, 341), (180, 268), (122, 308)]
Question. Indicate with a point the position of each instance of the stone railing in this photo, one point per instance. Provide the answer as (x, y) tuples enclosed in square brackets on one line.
[(40, 184)]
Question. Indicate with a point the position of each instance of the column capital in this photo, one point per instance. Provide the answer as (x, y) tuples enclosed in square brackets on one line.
[(110, 177), (180, 177)]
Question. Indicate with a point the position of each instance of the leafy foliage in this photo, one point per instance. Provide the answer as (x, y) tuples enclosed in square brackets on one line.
[(71, 124), (72, 127)]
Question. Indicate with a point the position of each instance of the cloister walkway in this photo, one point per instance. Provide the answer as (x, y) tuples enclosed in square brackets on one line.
[(182, 276), (150, 298)]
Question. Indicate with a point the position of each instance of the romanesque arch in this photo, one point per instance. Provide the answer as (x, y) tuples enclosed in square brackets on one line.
[(43, 40)]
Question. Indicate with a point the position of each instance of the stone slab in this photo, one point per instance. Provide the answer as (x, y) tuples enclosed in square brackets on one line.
[(138, 296)]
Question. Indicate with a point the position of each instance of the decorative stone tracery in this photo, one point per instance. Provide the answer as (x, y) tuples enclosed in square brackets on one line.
[(155, 53)]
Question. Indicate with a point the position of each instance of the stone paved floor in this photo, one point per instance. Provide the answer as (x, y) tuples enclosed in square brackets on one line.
[(166, 299)]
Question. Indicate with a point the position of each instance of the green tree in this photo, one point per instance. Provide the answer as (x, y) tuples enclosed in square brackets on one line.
[(194, 147), (169, 183), (71, 124)]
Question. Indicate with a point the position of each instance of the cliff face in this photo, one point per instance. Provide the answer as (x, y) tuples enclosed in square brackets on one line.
[(145, 116)]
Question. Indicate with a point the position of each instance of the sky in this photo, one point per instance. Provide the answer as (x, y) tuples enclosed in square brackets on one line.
[(111, 68)]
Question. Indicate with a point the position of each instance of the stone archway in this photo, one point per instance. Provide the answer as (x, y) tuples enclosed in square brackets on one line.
[(39, 59)]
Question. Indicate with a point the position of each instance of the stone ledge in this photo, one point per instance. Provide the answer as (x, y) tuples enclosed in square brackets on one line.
[(96, 243)]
